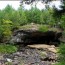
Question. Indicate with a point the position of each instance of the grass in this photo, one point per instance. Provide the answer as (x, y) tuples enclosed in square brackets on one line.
[(40, 27), (61, 54), (7, 48), (43, 28), (29, 26)]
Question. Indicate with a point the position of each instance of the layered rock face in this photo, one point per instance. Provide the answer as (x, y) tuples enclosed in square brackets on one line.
[(29, 37)]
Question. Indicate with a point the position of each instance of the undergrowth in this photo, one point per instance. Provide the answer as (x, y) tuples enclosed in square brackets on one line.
[(6, 48)]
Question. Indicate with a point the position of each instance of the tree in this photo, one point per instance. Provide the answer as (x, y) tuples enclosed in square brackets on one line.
[(63, 21), (33, 15), (58, 13), (22, 16), (8, 11), (46, 17), (32, 1), (62, 6)]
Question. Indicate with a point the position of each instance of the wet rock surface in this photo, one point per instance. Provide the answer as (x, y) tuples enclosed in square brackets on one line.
[(29, 56)]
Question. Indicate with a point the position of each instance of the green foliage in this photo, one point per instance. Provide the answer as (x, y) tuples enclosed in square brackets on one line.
[(63, 21), (60, 63), (11, 19), (62, 49), (44, 17), (43, 28), (33, 15), (22, 16), (5, 30), (61, 54), (7, 12), (7, 49)]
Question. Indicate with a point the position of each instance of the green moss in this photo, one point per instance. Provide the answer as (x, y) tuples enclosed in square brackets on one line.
[(43, 28), (7, 49), (29, 26), (42, 54), (39, 27), (8, 63)]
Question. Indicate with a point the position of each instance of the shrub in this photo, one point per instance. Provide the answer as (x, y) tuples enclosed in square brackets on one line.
[(63, 21), (61, 54), (5, 30)]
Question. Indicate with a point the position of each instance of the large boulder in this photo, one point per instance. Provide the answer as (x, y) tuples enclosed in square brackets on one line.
[(29, 37)]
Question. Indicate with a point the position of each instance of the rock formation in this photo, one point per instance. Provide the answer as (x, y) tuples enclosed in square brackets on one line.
[(29, 37)]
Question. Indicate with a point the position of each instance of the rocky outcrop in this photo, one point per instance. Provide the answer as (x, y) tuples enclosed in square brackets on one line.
[(25, 54), (28, 37)]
